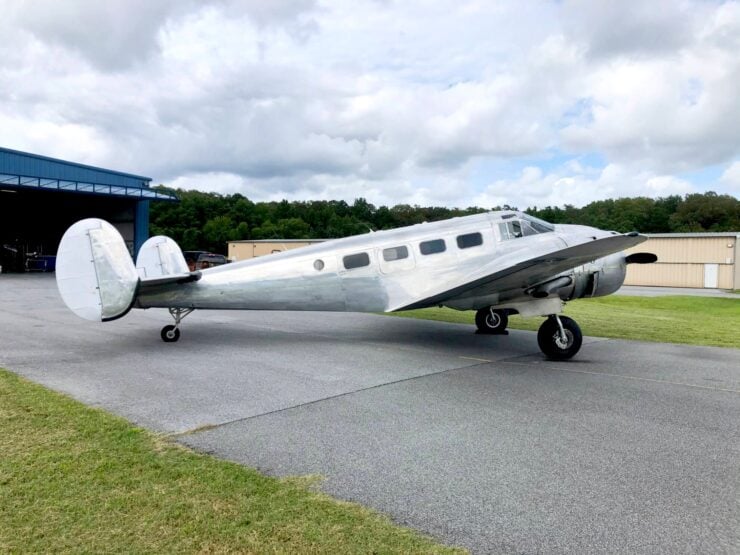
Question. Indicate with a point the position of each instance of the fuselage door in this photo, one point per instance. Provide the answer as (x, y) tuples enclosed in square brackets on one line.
[(396, 259)]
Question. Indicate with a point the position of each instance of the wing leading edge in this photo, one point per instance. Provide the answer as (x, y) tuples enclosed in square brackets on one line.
[(491, 278)]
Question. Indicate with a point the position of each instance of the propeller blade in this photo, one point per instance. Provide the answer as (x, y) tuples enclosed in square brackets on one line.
[(641, 258)]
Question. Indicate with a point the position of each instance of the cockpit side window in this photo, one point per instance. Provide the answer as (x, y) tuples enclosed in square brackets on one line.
[(511, 229)]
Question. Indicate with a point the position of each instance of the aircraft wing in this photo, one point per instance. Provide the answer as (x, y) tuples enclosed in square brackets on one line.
[(492, 278)]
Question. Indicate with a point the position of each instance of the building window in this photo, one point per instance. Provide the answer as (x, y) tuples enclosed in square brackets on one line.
[(469, 240), (432, 247), (395, 253), (356, 260)]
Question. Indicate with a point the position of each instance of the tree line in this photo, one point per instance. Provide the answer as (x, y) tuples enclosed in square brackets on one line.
[(207, 221)]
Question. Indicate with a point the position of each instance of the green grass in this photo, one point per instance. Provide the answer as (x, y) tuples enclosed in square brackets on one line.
[(680, 319), (76, 479)]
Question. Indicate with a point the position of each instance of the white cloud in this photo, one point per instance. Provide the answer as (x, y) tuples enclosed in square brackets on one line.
[(632, 27), (391, 101), (731, 177), (533, 187), (116, 34)]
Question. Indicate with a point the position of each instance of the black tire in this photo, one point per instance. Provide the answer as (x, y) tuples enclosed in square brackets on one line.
[(491, 323), (170, 334), (548, 338)]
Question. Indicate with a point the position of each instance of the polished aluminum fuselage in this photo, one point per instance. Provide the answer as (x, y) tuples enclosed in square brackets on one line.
[(292, 280)]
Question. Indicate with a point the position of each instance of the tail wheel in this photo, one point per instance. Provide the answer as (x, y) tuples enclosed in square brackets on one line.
[(491, 321), (551, 340), (170, 334)]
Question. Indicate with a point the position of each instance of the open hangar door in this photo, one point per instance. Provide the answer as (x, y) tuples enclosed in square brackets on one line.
[(40, 197), (32, 224)]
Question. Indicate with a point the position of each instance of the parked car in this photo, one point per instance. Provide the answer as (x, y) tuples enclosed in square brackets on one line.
[(199, 260)]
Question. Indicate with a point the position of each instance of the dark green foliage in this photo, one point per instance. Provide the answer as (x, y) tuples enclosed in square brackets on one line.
[(709, 212), (206, 221), (673, 214)]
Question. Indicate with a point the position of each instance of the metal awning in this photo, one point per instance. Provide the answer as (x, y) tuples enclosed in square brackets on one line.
[(26, 182)]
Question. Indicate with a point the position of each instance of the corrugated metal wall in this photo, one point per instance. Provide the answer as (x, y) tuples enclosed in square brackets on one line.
[(676, 275), (19, 163), (682, 262), (251, 249), (701, 250)]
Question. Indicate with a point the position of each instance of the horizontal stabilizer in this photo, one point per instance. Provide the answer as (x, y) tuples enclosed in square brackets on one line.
[(155, 282)]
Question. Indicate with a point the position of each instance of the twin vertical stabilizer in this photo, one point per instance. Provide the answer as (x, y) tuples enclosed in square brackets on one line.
[(95, 274)]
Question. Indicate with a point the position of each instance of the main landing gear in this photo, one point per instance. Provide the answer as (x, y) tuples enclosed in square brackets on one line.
[(559, 337), (171, 333)]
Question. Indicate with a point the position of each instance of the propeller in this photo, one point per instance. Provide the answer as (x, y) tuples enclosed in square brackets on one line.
[(641, 258)]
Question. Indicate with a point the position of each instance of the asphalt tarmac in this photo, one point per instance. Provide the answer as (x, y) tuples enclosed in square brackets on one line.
[(476, 440)]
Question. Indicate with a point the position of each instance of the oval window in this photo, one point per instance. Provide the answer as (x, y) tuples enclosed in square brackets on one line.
[(318, 265)]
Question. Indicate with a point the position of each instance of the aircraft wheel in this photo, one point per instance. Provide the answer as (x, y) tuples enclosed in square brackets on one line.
[(552, 344), (170, 334), (491, 322)]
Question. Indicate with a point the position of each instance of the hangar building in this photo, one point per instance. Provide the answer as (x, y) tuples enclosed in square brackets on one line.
[(41, 197), (689, 260), (243, 250)]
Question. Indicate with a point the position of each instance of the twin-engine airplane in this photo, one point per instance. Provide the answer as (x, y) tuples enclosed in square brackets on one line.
[(497, 263)]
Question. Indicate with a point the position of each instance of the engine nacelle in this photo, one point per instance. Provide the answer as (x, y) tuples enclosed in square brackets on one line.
[(597, 279)]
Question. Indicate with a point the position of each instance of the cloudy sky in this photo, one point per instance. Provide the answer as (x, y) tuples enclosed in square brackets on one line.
[(431, 102)]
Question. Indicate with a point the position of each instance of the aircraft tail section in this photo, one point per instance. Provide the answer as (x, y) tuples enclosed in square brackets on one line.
[(95, 274)]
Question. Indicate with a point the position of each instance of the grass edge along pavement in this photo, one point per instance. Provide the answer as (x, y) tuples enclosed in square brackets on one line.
[(709, 321), (75, 478)]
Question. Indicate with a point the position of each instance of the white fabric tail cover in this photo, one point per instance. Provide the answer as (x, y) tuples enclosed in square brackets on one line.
[(160, 256), (95, 274)]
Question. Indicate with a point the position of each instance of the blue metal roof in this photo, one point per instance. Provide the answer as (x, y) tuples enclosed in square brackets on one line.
[(24, 170)]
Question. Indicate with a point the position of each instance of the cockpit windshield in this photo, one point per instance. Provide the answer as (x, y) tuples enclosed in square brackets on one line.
[(527, 225), (539, 226)]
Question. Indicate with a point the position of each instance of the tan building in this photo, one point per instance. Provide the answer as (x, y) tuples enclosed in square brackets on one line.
[(684, 259), (244, 250), (689, 260)]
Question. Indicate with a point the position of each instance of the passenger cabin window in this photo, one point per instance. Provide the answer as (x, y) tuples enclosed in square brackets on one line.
[(469, 240), (432, 247), (356, 260), (395, 253)]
